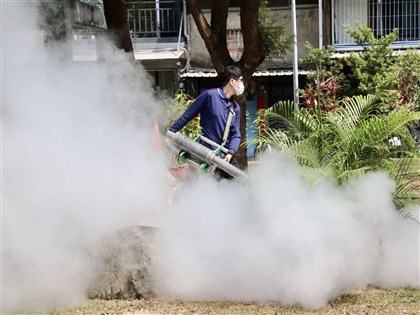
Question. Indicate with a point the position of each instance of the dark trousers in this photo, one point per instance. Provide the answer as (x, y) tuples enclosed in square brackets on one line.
[(220, 174)]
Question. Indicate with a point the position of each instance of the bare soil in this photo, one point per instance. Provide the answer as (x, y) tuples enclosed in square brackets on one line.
[(373, 301)]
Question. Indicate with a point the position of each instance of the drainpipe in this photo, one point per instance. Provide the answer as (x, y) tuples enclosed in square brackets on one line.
[(320, 45), (185, 49), (320, 23), (179, 33), (333, 17), (184, 10), (157, 6), (295, 58)]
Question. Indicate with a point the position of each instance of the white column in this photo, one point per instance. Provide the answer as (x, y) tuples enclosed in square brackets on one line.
[(295, 57), (157, 18)]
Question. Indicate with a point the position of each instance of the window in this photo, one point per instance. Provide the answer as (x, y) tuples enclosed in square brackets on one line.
[(380, 15), (235, 44), (387, 15)]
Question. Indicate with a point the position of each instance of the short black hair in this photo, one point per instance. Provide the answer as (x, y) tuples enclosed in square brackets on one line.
[(229, 72)]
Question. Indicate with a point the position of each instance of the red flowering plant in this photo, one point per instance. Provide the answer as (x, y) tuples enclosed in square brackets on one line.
[(323, 94)]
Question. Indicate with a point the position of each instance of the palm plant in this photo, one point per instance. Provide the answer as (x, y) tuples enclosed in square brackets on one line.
[(347, 142)]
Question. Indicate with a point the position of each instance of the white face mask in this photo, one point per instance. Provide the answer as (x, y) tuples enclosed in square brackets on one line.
[(240, 89)]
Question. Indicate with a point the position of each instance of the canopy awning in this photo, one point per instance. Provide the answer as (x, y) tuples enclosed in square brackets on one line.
[(162, 59), (210, 73), (158, 54)]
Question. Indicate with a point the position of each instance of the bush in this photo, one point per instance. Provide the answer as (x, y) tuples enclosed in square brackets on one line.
[(173, 109)]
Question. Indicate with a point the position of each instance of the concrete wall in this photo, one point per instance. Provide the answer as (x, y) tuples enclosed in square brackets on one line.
[(307, 30)]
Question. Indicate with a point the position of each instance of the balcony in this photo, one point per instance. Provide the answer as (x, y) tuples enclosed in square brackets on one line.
[(156, 24)]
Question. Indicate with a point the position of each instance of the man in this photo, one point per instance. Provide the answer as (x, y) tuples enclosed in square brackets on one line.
[(214, 106)]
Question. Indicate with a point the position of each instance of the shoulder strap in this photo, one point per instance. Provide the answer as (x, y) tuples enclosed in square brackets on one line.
[(228, 123)]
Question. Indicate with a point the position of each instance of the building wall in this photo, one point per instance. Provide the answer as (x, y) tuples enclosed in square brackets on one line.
[(307, 30)]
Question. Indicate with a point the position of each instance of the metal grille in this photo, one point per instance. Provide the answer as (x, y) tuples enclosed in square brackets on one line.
[(154, 18), (382, 16)]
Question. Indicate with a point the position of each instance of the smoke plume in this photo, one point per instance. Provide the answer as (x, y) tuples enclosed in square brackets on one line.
[(281, 239), (79, 161)]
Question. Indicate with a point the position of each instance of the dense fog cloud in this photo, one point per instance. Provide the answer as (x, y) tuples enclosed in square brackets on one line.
[(281, 239), (79, 161)]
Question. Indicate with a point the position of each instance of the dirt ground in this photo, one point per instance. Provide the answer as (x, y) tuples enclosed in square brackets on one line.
[(374, 301)]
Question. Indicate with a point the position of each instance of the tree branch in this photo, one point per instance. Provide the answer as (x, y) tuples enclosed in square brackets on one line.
[(214, 36), (253, 50), (200, 20), (219, 15), (117, 23)]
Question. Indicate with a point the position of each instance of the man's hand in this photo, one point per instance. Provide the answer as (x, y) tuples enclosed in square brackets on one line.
[(228, 157)]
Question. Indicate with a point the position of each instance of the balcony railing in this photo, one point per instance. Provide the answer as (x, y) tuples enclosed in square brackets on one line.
[(87, 13), (154, 19), (382, 16)]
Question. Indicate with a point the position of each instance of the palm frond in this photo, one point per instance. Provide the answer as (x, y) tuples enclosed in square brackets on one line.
[(279, 116), (408, 215), (283, 115), (406, 174), (360, 107), (349, 142), (343, 122), (344, 175)]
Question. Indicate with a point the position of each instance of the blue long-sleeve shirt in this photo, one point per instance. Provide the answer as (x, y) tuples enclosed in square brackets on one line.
[(213, 107)]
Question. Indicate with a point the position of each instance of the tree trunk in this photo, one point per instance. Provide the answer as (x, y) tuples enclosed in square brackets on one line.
[(242, 152), (117, 24), (56, 19)]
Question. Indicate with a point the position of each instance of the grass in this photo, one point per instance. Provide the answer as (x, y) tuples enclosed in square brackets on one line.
[(373, 301)]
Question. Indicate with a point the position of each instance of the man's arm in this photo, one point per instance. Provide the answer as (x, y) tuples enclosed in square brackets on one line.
[(190, 112)]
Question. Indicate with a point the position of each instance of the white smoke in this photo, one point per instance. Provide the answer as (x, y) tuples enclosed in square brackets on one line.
[(279, 239), (78, 161)]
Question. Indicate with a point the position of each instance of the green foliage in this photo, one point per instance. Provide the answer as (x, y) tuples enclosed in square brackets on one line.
[(370, 69), (374, 70), (320, 64), (173, 109), (348, 142), (275, 41), (325, 78), (406, 72)]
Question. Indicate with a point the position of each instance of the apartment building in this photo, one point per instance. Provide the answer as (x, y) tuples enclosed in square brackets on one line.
[(164, 36), (168, 45)]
